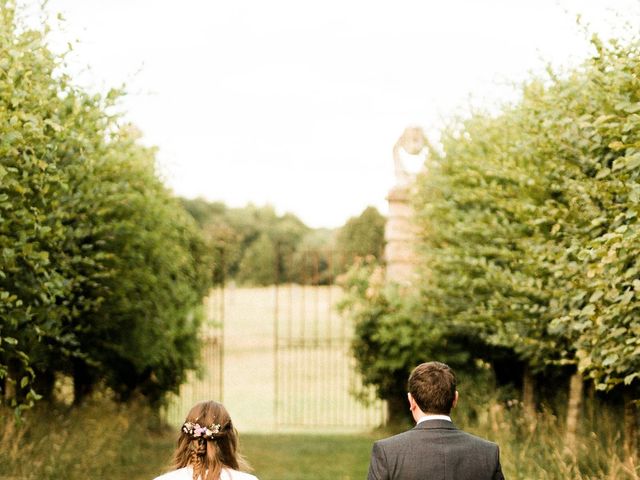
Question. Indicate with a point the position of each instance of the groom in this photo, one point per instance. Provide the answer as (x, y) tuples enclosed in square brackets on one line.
[(434, 448)]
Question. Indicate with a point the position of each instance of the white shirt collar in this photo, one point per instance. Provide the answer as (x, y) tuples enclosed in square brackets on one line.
[(425, 418)]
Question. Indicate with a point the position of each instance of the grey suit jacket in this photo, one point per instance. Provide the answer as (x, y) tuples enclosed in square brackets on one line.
[(435, 450)]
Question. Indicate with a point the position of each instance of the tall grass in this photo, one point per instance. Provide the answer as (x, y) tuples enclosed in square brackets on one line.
[(98, 440), (534, 448), (104, 440)]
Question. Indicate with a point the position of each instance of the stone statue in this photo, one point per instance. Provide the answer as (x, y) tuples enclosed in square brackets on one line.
[(400, 234), (412, 142)]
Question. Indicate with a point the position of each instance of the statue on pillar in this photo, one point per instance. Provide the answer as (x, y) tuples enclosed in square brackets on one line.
[(412, 142), (399, 229)]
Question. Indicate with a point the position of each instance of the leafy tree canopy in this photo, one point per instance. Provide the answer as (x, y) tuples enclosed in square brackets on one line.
[(101, 270)]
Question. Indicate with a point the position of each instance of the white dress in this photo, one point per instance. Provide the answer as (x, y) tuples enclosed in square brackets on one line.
[(186, 473)]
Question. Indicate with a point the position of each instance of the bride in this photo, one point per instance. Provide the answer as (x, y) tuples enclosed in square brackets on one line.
[(207, 447)]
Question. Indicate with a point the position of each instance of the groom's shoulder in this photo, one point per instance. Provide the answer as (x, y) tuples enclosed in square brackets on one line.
[(477, 441), (455, 434), (398, 439)]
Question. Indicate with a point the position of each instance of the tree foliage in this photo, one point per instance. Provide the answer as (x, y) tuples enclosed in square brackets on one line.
[(544, 240), (391, 335), (100, 268), (363, 235), (529, 236)]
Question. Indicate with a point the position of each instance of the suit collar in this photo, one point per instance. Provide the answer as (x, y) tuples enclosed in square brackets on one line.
[(435, 424), (425, 418)]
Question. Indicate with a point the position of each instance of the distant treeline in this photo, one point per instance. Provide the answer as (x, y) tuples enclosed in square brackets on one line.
[(256, 246)]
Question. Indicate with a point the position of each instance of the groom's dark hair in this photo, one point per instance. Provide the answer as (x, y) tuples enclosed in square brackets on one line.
[(433, 386)]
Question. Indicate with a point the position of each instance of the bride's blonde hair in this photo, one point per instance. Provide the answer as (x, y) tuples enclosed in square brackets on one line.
[(207, 456)]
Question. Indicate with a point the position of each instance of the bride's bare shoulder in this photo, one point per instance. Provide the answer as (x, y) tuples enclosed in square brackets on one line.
[(180, 474), (237, 475), (186, 474)]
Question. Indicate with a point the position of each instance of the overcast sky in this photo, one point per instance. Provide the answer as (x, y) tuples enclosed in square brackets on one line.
[(298, 103)]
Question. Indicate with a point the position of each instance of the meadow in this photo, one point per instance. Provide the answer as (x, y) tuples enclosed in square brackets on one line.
[(132, 442), (105, 440), (129, 442)]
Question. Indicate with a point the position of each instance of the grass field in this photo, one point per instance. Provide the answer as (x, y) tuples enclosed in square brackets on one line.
[(308, 457), (125, 442), (272, 457), (105, 440)]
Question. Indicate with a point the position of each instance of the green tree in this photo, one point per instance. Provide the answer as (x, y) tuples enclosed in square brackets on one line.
[(101, 271), (315, 261), (528, 233), (35, 275), (484, 239), (258, 265), (362, 236), (144, 335), (392, 334), (534, 214), (233, 233)]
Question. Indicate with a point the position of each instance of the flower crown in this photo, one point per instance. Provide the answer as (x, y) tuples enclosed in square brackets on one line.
[(194, 430)]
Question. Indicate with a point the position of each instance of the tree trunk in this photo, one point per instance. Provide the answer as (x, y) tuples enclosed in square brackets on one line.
[(43, 385), (82, 381), (630, 430), (528, 396), (10, 390), (496, 416), (576, 385), (592, 405), (398, 413)]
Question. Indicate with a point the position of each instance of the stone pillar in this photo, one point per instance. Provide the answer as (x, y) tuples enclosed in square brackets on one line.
[(400, 231), (400, 238)]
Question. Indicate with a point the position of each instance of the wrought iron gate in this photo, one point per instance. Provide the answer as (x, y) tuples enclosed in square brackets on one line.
[(301, 361), (316, 383)]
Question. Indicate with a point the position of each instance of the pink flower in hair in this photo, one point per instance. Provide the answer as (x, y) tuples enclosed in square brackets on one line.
[(195, 430)]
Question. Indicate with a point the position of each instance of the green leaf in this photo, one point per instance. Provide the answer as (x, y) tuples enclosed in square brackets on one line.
[(619, 163), (603, 119), (632, 107), (633, 161), (595, 296), (55, 126), (626, 297), (610, 360), (588, 310), (616, 146)]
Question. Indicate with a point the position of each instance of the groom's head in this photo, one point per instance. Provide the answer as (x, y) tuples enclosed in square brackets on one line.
[(433, 387)]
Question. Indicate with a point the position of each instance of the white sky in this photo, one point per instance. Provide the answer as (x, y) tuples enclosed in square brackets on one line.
[(298, 103)]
